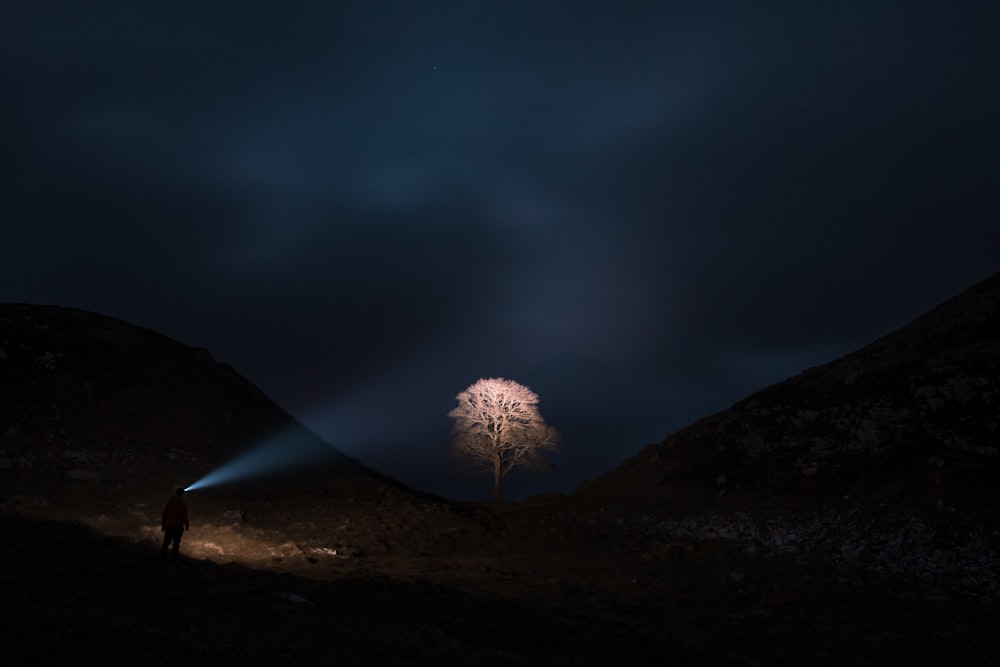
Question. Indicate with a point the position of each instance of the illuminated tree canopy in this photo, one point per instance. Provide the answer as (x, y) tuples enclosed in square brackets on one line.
[(498, 427)]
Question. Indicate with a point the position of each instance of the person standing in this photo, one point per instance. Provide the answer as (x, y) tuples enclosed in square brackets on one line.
[(173, 523)]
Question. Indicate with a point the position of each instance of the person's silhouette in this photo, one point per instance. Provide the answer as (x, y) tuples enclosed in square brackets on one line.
[(173, 523)]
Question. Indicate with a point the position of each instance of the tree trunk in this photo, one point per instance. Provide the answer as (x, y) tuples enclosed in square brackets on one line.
[(497, 476)]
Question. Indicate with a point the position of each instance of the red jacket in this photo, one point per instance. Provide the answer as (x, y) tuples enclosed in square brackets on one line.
[(175, 513)]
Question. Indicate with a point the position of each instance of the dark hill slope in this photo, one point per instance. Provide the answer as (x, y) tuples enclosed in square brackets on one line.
[(910, 418), (880, 466), (95, 407)]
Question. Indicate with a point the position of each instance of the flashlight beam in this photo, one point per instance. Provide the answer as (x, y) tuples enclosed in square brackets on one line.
[(272, 455)]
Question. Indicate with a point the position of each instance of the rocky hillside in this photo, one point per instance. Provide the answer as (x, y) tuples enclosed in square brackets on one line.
[(927, 395), (96, 408), (884, 460)]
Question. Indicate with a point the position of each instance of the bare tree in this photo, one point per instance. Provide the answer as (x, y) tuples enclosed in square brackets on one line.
[(498, 427)]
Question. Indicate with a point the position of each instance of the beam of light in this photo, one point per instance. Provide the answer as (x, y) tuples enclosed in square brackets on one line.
[(418, 394), (276, 454)]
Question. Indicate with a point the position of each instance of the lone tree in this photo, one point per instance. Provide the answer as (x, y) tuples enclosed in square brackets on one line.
[(498, 427)]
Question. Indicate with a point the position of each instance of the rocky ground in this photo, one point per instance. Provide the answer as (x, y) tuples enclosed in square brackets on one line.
[(393, 580)]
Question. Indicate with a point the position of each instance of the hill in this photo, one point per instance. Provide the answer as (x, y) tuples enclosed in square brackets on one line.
[(915, 413), (93, 402), (882, 462)]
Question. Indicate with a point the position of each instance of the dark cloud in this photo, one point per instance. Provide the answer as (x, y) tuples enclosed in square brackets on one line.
[(643, 212)]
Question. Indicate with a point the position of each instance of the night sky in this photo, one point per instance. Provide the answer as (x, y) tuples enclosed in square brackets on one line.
[(644, 211)]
